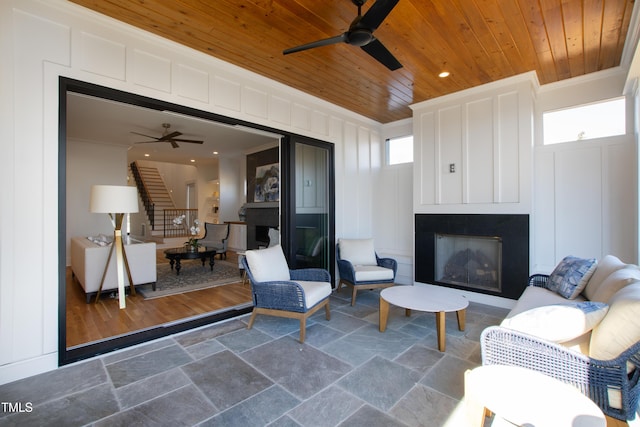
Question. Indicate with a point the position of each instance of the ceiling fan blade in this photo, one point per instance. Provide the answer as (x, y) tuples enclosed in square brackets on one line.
[(170, 136), (323, 42), (377, 13), (193, 141), (145, 142), (377, 50), (174, 144), (148, 136)]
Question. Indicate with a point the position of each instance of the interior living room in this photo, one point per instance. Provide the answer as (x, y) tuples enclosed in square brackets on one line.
[(483, 166)]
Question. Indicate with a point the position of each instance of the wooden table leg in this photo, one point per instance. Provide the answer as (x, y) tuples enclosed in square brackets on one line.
[(474, 409), (442, 333), (384, 314), (461, 318)]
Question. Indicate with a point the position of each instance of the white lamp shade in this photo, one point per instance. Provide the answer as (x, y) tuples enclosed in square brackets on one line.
[(113, 199)]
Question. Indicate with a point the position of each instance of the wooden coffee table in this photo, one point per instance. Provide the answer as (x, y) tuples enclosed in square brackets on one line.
[(177, 254), (430, 298)]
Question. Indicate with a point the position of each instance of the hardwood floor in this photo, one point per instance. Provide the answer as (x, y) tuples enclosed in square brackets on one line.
[(93, 322)]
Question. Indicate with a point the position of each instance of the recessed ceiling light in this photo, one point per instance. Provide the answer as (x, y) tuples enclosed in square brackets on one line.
[(444, 74), (215, 152), (147, 155), (193, 160)]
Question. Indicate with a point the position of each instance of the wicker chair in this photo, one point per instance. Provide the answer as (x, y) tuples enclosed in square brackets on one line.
[(606, 382), (361, 268), (295, 294)]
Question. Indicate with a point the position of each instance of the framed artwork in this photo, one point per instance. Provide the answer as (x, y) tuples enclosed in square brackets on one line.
[(267, 183)]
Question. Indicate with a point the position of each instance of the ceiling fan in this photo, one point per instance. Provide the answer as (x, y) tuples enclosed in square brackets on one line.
[(360, 33), (167, 137)]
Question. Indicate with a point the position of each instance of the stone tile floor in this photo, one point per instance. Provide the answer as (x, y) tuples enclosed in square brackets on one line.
[(346, 374)]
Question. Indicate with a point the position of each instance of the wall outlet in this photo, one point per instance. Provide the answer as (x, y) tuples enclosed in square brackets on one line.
[(452, 168)]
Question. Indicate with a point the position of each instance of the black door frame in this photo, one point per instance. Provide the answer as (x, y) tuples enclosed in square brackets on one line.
[(70, 355), (288, 215)]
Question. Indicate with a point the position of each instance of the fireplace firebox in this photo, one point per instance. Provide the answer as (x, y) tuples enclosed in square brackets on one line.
[(486, 253), (259, 218), (471, 261)]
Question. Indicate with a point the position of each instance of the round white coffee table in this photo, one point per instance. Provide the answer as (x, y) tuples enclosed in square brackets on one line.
[(430, 298), (527, 398)]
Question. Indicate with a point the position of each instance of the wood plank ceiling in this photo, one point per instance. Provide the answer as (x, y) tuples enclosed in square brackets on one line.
[(477, 41)]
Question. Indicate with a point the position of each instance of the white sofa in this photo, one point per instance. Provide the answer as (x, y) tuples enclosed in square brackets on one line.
[(88, 261), (587, 334), (603, 286)]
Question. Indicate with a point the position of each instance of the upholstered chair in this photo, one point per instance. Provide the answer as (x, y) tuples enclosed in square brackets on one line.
[(216, 237), (278, 291), (274, 237), (361, 268)]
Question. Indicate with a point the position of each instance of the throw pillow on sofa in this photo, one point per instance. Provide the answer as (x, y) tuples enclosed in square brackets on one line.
[(606, 266), (620, 329), (571, 275), (558, 322), (616, 281)]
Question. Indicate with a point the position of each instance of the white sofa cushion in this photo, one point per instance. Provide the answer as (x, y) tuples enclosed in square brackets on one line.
[(559, 322), (268, 264), (606, 266), (571, 275), (534, 296), (358, 251), (368, 273), (88, 261), (616, 281), (620, 328), (314, 292)]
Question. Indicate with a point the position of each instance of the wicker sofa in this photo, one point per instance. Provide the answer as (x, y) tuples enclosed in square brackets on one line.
[(602, 358)]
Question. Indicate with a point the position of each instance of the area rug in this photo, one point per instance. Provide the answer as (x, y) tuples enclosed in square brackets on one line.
[(193, 276)]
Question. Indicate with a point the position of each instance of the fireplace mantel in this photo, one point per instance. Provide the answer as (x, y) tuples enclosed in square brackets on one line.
[(262, 205)]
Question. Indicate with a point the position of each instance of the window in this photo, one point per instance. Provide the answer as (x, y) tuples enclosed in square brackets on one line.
[(400, 150), (596, 120)]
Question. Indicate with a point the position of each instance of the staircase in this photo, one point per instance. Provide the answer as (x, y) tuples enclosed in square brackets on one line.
[(155, 196)]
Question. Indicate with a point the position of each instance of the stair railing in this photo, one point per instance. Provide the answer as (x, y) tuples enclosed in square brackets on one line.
[(144, 194), (180, 228)]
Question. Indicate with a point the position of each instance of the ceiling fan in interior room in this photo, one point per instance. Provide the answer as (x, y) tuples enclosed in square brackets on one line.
[(360, 33), (171, 138)]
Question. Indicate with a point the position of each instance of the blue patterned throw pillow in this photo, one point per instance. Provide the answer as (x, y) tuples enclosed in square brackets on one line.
[(571, 275)]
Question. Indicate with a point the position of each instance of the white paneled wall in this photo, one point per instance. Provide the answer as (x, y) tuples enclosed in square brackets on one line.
[(586, 192), (473, 149), (586, 201), (44, 40), (393, 204)]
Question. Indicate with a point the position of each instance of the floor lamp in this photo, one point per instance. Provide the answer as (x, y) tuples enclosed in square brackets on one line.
[(115, 200)]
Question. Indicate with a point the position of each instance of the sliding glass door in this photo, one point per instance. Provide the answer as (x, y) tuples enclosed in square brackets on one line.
[(312, 223)]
